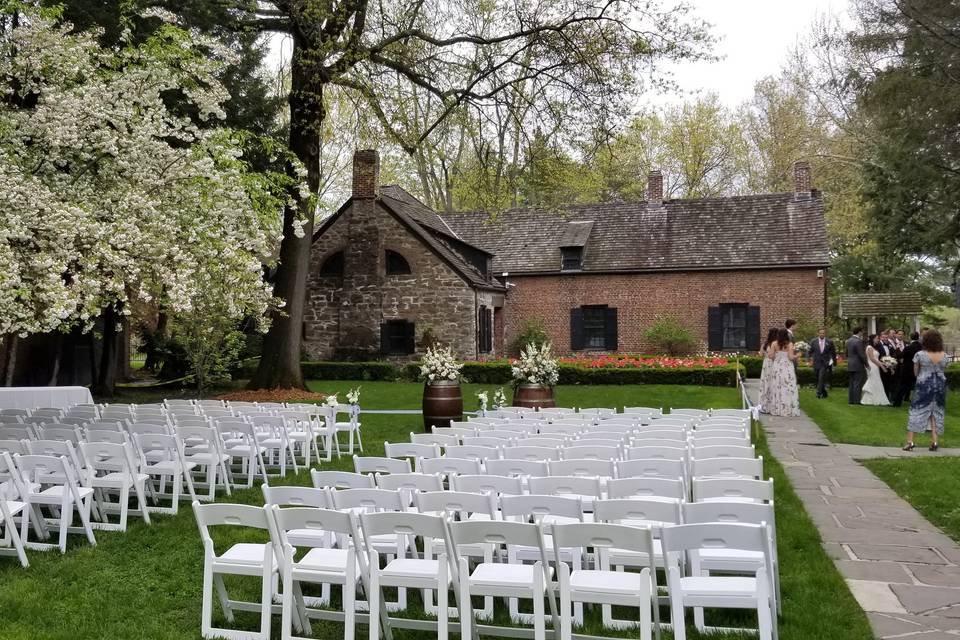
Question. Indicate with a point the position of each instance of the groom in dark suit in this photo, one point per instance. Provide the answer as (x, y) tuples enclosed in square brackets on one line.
[(823, 355), (856, 364), (905, 377)]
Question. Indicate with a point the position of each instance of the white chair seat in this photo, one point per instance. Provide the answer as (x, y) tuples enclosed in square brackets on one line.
[(411, 568), (492, 574), (15, 507), (249, 553), (319, 559), (117, 478), (56, 493), (607, 582), (712, 586)]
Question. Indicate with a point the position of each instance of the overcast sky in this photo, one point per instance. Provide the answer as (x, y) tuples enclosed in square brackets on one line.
[(755, 37)]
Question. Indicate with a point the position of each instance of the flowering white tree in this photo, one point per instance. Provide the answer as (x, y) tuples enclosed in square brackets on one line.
[(115, 185)]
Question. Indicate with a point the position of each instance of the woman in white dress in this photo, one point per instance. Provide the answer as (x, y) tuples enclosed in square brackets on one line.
[(873, 392)]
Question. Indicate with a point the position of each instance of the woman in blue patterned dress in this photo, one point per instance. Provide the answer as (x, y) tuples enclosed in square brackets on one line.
[(930, 394)]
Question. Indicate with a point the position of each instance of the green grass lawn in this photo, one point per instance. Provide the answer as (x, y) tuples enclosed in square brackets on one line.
[(930, 485), (857, 424), (146, 583)]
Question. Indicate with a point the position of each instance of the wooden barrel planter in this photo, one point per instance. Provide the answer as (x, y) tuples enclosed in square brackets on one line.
[(533, 396), (442, 402)]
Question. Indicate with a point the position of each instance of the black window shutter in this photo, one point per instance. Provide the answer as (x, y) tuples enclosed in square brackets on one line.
[(714, 329), (753, 328), (610, 330), (576, 329), (410, 342), (384, 338)]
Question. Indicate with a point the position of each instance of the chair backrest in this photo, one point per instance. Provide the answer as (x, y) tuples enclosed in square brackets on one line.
[(672, 424), (736, 413), (341, 480), (67, 434), (222, 514), (205, 434), (55, 449), (367, 499), (539, 441), (615, 438), (565, 486), (728, 467), (491, 484), (485, 441), (539, 506), (460, 432), (701, 442), (515, 428), (101, 435), (144, 428), (496, 533), (456, 503), (473, 452), (695, 413), (14, 445), (643, 410), (296, 496), (411, 450), (411, 525), (732, 489), (531, 453), (654, 512), (735, 451), (678, 435), (409, 482), (591, 468), (105, 456), (21, 419), (655, 468), (15, 412), (18, 432), (446, 466), (714, 535), (78, 421), (342, 523), (654, 452), (738, 511), (442, 439), (592, 452), (599, 536), (147, 442), (561, 428), (375, 464), (647, 487), (517, 467), (50, 412)]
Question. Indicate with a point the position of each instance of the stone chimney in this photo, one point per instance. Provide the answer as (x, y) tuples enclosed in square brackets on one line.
[(801, 179), (655, 188), (366, 173)]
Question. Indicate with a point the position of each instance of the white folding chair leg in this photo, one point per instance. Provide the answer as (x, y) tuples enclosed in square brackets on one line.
[(677, 614)]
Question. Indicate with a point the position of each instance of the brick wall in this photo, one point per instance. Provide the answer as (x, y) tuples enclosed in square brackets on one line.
[(343, 317), (641, 299)]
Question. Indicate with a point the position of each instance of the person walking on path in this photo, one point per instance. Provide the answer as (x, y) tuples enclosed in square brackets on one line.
[(782, 395), (906, 377), (823, 355), (930, 396), (856, 365)]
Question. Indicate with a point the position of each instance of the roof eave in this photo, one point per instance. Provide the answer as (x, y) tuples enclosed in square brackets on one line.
[(680, 269)]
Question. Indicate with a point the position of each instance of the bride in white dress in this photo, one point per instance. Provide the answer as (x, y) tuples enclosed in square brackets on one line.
[(873, 392)]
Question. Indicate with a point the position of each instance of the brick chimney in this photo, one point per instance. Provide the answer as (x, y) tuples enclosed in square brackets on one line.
[(801, 179), (655, 188), (366, 173)]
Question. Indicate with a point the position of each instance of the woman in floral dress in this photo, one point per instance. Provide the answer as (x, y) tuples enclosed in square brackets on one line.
[(782, 396), (930, 393), (767, 359)]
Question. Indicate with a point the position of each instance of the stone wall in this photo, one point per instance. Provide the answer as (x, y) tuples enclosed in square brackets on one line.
[(642, 299), (343, 316)]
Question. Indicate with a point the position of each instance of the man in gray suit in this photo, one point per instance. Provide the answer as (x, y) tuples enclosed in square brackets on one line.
[(856, 364)]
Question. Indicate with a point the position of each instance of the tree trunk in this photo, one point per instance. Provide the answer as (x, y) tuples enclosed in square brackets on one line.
[(11, 360), (106, 378), (280, 360), (57, 356)]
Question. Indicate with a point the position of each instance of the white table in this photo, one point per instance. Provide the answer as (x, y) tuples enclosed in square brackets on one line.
[(33, 397)]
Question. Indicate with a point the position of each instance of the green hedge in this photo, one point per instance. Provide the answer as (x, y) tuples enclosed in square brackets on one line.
[(711, 377)]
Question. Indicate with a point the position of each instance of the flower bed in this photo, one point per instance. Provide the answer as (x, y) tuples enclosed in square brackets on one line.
[(646, 362)]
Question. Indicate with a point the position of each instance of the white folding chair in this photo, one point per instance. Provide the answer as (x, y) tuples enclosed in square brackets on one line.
[(735, 592), (520, 468), (111, 467), (201, 447), (645, 487), (587, 467), (601, 584), (375, 464), (16, 432), (341, 480), (449, 466), (350, 426), (272, 434), (727, 467), (323, 564), (498, 578), (240, 444), (586, 489), (59, 491), (651, 468), (489, 484), (531, 453), (732, 490), (733, 413), (161, 457), (409, 484), (473, 452), (64, 433), (412, 450), (241, 559), (653, 452), (440, 439), (693, 413), (724, 451), (591, 452), (11, 544)]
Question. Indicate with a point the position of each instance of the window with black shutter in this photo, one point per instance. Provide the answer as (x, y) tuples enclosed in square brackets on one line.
[(593, 327), (397, 338), (571, 258), (333, 266), (397, 265), (484, 329), (733, 327)]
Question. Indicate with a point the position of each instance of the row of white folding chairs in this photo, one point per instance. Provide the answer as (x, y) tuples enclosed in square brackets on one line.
[(577, 427), (511, 559)]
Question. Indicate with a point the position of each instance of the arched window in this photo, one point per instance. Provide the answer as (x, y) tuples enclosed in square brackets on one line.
[(397, 265), (333, 266)]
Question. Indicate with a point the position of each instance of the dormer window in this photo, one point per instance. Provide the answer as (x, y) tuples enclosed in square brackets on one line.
[(571, 258), (397, 265)]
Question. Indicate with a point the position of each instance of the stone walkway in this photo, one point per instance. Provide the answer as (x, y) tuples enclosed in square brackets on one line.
[(902, 570)]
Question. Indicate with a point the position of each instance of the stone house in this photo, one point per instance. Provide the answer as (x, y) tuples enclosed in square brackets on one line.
[(389, 274)]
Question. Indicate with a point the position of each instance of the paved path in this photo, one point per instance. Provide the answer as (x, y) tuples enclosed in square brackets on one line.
[(902, 570)]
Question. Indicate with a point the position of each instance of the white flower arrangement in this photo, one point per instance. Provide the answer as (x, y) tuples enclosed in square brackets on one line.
[(536, 366), (439, 364), (353, 396), (331, 401), (801, 346), (499, 399), (890, 361)]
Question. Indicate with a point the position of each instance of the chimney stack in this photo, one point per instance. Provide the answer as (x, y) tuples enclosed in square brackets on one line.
[(801, 179), (655, 188), (366, 173)]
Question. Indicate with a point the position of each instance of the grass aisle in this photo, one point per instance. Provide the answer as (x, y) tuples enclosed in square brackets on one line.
[(146, 583), (930, 485)]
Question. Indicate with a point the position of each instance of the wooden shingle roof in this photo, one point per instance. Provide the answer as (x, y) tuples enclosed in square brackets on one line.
[(770, 230), (864, 305)]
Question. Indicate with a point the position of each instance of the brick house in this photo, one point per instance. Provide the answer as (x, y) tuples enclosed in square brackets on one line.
[(596, 275)]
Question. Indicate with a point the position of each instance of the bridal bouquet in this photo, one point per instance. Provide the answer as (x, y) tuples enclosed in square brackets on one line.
[(801, 346), (499, 399), (439, 364), (536, 366), (890, 361)]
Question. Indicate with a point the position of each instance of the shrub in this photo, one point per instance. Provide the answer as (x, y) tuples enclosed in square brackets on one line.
[(352, 371), (534, 331), (671, 336)]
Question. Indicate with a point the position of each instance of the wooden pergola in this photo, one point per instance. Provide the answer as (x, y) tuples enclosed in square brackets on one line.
[(870, 306)]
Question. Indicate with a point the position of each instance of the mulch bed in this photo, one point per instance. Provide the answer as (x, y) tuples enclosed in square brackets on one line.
[(273, 395)]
